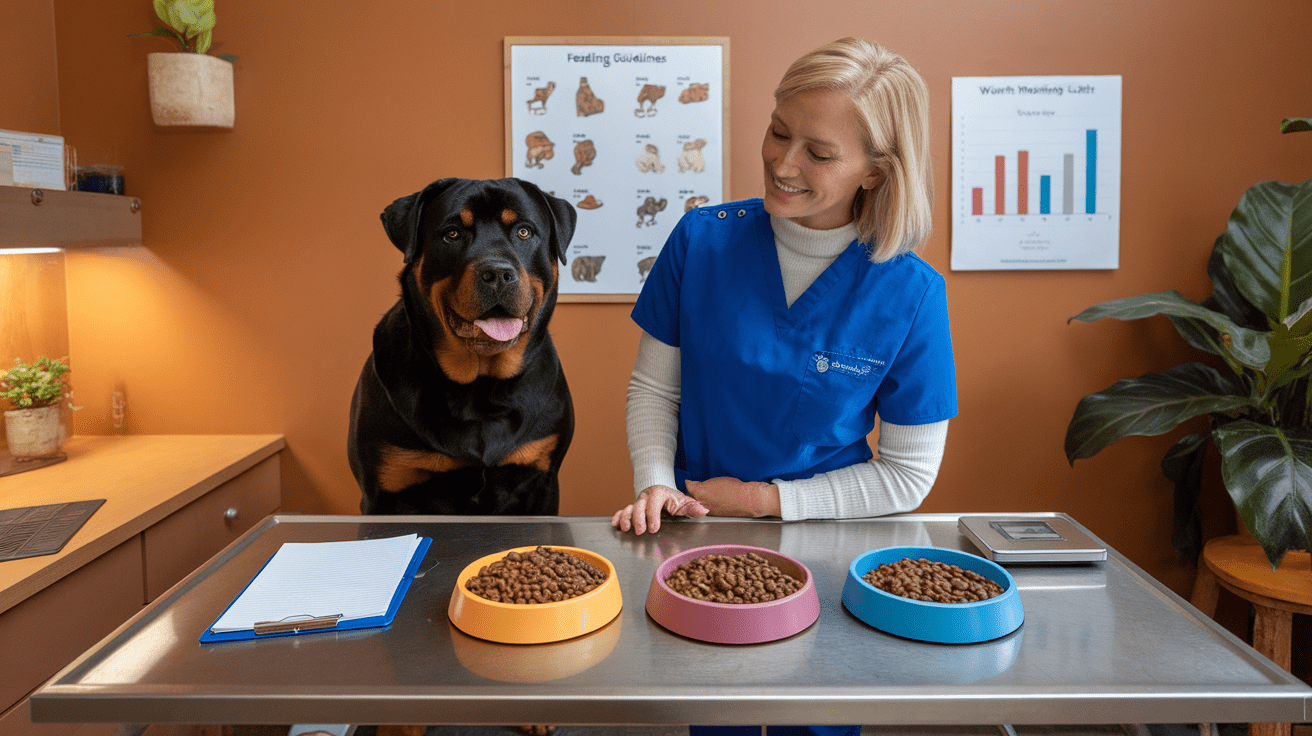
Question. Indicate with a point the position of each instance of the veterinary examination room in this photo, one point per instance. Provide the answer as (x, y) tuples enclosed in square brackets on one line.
[(604, 368)]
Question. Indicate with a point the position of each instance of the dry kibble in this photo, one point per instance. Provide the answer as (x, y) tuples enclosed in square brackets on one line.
[(543, 575), (745, 578), (937, 582)]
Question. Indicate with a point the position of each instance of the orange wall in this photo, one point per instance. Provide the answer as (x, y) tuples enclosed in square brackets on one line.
[(250, 307)]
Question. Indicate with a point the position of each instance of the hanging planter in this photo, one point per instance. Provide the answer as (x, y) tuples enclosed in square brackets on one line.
[(190, 89)]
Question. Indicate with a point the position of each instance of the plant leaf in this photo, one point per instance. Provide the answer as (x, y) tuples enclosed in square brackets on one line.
[(1151, 404), (1183, 466), (1287, 350), (169, 32), (1225, 297), (1268, 473), (1295, 125), (1247, 346), (1268, 246)]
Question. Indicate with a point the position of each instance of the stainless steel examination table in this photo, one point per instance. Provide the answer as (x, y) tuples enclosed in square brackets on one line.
[(1101, 643)]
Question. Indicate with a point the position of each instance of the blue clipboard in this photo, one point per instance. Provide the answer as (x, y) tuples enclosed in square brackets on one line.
[(309, 625)]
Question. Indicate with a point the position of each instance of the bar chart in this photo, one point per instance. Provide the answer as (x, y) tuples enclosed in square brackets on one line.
[(1036, 172)]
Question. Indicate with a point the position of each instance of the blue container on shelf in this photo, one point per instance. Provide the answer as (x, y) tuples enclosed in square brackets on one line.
[(946, 623)]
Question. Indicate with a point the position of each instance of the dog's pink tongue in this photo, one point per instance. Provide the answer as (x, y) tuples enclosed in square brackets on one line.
[(501, 330)]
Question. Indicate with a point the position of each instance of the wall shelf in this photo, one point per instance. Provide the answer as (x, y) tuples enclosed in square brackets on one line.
[(53, 218)]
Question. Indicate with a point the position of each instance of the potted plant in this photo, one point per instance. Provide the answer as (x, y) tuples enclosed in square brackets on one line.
[(36, 392), (1258, 321), (189, 88)]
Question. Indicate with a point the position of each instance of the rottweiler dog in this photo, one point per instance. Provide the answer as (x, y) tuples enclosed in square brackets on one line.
[(462, 407)]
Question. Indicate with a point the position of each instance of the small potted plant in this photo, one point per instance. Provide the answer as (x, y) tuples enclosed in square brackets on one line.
[(36, 392), (190, 88)]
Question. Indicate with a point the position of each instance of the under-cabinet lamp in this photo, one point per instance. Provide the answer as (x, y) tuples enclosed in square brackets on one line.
[(22, 251)]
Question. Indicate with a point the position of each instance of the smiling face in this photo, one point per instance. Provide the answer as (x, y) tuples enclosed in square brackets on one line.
[(815, 160)]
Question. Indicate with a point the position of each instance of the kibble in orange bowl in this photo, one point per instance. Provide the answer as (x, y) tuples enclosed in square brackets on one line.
[(933, 594), (534, 595)]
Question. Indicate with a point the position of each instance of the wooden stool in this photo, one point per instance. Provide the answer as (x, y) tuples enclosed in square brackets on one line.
[(1238, 564)]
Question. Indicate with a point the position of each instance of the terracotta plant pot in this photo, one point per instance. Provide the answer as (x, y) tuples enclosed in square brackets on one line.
[(32, 434), (190, 89)]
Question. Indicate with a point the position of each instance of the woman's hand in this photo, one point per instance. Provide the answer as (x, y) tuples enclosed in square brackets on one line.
[(726, 496), (644, 514)]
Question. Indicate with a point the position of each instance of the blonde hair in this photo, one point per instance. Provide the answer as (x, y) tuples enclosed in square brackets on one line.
[(892, 103)]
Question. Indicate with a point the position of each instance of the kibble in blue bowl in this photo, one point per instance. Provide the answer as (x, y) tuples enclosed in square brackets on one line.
[(958, 597)]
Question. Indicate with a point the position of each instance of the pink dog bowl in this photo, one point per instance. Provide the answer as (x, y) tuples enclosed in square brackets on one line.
[(733, 623)]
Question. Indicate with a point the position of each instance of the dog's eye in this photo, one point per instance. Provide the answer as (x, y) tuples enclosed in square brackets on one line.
[(524, 233), (451, 235)]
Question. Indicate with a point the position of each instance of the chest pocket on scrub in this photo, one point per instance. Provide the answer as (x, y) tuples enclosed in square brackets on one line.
[(834, 406)]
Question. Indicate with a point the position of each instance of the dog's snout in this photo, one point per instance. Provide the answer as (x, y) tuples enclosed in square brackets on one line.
[(497, 274)]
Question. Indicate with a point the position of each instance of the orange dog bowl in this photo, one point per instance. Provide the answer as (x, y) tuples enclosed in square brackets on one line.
[(535, 623)]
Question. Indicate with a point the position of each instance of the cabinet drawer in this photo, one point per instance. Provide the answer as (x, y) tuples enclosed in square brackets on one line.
[(190, 536), (47, 631)]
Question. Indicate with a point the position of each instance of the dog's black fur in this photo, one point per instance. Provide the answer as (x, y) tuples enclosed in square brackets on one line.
[(448, 418)]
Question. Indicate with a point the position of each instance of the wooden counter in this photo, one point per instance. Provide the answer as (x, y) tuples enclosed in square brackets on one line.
[(171, 503)]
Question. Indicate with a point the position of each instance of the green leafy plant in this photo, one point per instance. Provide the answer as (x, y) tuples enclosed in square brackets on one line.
[(189, 22), (42, 383), (1258, 320)]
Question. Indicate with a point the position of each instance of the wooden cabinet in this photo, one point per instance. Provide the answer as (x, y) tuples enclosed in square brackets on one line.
[(188, 537), (171, 503)]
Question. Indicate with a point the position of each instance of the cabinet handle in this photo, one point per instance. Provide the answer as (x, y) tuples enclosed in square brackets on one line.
[(230, 515)]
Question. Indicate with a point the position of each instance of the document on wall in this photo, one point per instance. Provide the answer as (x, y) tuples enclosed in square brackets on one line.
[(1036, 172)]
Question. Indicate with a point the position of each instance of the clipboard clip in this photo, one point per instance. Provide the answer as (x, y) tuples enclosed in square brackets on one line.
[(296, 624)]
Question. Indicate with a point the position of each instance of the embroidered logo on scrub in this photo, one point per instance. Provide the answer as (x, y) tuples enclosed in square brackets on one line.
[(845, 364)]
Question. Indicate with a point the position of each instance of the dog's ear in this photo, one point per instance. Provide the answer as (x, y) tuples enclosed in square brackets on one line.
[(563, 218), (401, 217)]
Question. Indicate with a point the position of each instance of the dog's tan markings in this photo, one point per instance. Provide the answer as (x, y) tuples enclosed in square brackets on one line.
[(535, 454), (456, 361), (508, 216), (467, 217), (399, 469)]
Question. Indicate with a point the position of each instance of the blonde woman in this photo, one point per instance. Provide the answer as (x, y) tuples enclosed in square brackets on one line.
[(777, 330)]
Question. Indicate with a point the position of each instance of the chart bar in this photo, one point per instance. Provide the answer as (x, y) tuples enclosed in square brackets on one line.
[(1022, 182), (977, 201), (1045, 195), (1068, 184), (1000, 185), (1090, 171)]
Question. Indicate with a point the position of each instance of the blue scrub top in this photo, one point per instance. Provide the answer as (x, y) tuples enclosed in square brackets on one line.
[(771, 391)]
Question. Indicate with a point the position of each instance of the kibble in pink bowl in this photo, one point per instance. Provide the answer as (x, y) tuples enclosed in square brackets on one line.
[(734, 623)]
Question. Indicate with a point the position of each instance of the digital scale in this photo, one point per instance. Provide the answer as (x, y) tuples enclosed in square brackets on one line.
[(1009, 539)]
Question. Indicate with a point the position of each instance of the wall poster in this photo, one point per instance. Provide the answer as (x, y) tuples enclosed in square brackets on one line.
[(1036, 172), (633, 131)]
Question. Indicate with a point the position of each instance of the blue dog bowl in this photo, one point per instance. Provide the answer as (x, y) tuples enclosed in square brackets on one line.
[(947, 623)]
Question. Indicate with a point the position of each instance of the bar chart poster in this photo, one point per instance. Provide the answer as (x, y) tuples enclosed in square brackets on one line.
[(1036, 172)]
